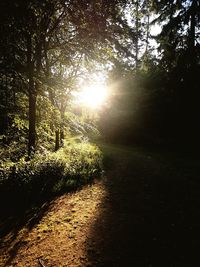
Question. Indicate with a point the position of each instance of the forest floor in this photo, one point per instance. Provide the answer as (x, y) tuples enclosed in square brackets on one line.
[(144, 212)]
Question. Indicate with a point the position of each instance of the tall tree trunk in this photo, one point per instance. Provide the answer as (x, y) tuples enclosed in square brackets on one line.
[(32, 99), (192, 98), (4, 100), (62, 114), (51, 97), (191, 43), (57, 131), (32, 118), (147, 28), (6, 104), (137, 37)]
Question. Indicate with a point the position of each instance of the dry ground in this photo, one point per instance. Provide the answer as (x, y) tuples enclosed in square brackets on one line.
[(61, 238), (144, 212)]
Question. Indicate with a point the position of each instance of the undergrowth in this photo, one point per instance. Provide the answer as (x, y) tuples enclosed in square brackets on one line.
[(26, 182)]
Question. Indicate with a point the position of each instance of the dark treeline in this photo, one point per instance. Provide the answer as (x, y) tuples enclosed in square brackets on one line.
[(157, 101)]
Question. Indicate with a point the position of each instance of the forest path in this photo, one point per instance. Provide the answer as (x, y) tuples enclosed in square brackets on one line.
[(145, 212)]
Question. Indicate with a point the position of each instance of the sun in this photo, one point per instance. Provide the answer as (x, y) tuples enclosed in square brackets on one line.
[(93, 96)]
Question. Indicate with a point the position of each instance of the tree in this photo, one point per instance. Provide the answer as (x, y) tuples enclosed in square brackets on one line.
[(51, 34), (179, 50)]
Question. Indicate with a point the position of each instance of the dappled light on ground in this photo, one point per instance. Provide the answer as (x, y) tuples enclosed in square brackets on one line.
[(60, 237)]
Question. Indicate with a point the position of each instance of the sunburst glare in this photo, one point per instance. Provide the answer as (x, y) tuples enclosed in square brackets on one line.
[(93, 96)]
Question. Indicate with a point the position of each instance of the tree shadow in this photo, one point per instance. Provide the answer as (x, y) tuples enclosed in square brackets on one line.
[(151, 215), (18, 217), (16, 222)]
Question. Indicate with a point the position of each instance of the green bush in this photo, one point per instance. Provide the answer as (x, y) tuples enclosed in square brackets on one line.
[(44, 176)]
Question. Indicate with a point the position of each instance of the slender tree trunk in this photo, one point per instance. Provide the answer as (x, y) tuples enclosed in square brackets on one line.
[(62, 114), (32, 99), (147, 28), (6, 105), (14, 96), (137, 37), (32, 118), (192, 98), (51, 98), (57, 140), (4, 99), (57, 131), (191, 43), (62, 134)]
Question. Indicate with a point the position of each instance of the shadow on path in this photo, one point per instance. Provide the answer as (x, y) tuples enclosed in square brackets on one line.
[(151, 215), (15, 227)]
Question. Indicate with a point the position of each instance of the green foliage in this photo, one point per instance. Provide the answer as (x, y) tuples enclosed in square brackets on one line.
[(80, 125), (44, 176), (13, 143)]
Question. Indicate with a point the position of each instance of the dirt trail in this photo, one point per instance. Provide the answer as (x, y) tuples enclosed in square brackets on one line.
[(145, 212), (60, 238)]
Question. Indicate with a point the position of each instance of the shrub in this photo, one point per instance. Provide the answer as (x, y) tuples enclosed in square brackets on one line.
[(44, 176)]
